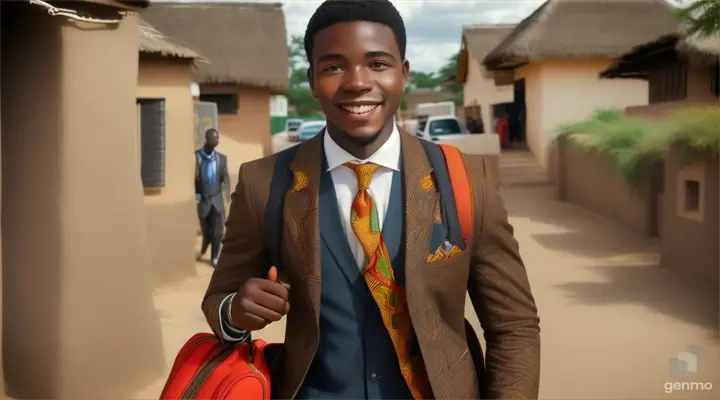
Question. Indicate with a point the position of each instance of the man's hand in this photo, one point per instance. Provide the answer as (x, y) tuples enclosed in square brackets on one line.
[(260, 302)]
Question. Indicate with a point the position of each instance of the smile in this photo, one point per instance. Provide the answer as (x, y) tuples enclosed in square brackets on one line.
[(360, 109)]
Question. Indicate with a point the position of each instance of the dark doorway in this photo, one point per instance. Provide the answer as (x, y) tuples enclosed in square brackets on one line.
[(518, 115), (473, 119)]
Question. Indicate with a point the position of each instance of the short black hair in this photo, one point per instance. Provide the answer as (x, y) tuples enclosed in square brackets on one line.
[(333, 12), (212, 131)]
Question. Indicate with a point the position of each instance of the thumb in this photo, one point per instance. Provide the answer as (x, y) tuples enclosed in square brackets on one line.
[(273, 274)]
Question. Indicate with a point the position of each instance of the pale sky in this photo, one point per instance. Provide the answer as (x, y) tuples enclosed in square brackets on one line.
[(433, 27)]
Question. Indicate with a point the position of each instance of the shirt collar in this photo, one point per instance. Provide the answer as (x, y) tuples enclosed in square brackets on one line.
[(388, 155), (211, 155)]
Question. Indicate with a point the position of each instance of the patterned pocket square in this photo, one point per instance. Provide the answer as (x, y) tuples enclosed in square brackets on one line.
[(446, 251), (440, 248)]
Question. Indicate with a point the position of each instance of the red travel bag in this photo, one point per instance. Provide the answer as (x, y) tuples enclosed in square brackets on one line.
[(205, 370)]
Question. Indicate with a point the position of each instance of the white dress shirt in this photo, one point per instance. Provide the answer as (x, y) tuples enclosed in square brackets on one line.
[(346, 187)]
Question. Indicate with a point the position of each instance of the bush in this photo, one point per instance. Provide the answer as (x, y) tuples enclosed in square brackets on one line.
[(634, 145), (637, 145), (697, 129)]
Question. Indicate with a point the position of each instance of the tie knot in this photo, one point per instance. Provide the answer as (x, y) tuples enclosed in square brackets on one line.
[(364, 173)]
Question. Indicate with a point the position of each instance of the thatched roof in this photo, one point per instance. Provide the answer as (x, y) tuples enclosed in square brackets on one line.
[(635, 62), (151, 41), (477, 42), (583, 29), (245, 43), (481, 39)]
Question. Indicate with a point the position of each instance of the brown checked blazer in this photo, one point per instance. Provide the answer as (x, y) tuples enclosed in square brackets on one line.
[(491, 269)]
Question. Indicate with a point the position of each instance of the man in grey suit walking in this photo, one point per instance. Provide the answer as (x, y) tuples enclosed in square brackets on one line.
[(211, 181)]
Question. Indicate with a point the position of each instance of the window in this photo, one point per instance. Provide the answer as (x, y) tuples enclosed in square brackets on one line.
[(668, 82), (226, 103), (152, 142), (692, 195), (445, 127)]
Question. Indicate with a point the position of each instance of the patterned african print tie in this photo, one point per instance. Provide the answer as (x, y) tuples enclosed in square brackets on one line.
[(380, 278)]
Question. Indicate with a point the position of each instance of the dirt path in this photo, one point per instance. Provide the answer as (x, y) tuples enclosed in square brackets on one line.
[(611, 319)]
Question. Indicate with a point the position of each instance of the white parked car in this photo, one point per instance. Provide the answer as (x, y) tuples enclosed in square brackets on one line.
[(439, 126), (309, 129), (447, 129), (291, 128)]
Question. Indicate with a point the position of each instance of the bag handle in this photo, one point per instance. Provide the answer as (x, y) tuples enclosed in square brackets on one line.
[(444, 187), (460, 182)]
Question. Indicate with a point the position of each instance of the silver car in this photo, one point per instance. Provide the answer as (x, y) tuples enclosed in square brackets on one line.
[(309, 129)]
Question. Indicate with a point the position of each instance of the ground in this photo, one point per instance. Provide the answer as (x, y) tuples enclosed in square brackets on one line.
[(611, 319)]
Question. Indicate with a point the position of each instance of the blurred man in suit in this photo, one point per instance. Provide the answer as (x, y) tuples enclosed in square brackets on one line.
[(211, 181)]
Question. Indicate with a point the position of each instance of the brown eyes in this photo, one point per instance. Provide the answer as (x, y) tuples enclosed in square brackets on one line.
[(375, 65), (332, 68), (379, 65)]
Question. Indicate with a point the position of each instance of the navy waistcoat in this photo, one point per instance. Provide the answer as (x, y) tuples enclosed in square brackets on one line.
[(355, 357)]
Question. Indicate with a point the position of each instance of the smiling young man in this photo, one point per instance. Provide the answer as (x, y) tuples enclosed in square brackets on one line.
[(370, 314)]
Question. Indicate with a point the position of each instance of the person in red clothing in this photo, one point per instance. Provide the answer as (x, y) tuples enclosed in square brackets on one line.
[(503, 129)]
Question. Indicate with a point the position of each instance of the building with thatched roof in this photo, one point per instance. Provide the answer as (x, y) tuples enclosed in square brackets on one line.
[(557, 52), (246, 46), (152, 41), (75, 258), (678, 68), (482, 90), (682, 72), (165, 138)]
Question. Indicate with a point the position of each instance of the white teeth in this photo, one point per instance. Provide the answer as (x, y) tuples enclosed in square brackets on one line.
[(364, 109)]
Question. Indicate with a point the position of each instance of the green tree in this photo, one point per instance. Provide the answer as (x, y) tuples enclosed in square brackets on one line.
[(296, 53), (446, 75), (701, 16), (423, 80), (298, 93)]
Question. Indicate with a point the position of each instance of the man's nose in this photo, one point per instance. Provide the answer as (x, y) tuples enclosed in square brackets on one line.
[(357, 79)]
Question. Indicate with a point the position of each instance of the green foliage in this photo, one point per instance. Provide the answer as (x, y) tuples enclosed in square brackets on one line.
[(303, 100), (299, 94), (601, 117), (697, 129), (636, 146), (424, 80), (700, 16), (444, 78)]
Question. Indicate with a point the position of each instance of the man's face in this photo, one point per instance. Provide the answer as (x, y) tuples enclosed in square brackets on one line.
[(212, 139), (358, 77)]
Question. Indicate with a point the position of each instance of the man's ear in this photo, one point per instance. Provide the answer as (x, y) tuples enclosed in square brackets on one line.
[(406, 73), (311, 81)]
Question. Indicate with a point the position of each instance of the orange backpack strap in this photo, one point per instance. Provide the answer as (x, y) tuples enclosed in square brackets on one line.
[(461, 189)]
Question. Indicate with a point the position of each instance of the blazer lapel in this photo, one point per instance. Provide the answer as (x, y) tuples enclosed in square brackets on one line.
[(420, 199), (333, 234), (300, 215)]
